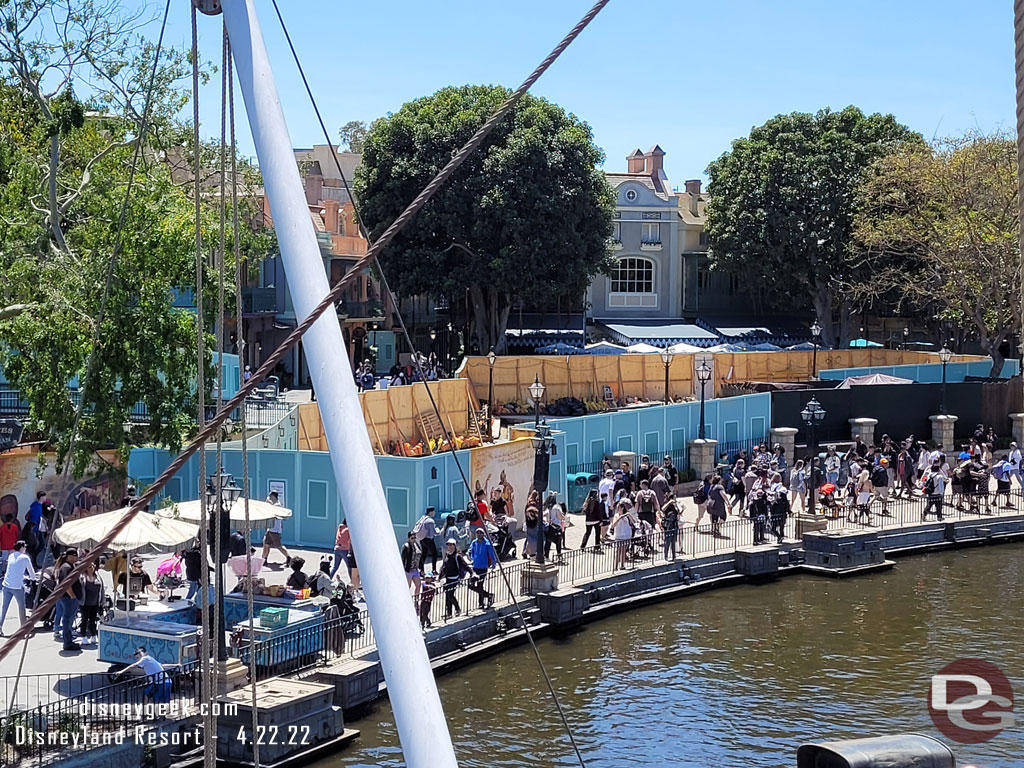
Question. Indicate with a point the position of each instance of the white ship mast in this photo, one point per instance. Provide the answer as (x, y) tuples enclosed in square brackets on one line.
[(422, 728)]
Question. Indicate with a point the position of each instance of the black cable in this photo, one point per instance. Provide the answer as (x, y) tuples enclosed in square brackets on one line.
[(419, 368)]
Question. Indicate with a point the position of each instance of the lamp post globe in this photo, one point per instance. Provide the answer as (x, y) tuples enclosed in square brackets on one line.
[(945, 355), (491, 360)]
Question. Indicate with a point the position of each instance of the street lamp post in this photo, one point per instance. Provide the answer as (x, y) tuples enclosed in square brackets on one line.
[(703, 376), (541, 460), (491, 359), (945, 354), (812, 414), (815, 340), (221, 495), (666, 358), (906, 336)]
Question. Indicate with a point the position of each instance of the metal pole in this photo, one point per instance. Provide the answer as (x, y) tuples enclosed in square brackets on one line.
[(700, 432), (490, 389), (813, 485), (942, 405), (412, 690), (666, 382), (814, 363)]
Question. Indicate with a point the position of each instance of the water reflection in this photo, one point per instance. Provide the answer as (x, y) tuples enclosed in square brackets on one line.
[(741, 676)]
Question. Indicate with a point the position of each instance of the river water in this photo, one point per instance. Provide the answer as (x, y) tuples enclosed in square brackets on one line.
[(740, 676)]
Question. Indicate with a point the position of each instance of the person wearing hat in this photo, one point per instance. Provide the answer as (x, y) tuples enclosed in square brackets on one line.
[(1013, 458), (668, 469), (453, 568), (880, 482)]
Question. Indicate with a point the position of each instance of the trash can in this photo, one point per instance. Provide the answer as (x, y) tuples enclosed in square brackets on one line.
[(579, 485)]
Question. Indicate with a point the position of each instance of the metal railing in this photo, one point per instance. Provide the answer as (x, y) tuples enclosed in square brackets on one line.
[(261, 414), (13, 405), (45, 734)]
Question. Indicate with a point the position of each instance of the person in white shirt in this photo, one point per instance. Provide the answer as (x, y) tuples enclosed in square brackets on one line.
[(1014, 458), (159, 688), (607, 485), (272, 538), (18, 565)]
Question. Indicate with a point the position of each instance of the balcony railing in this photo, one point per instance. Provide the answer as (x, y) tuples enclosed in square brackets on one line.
[(360, 309), (259, 300)]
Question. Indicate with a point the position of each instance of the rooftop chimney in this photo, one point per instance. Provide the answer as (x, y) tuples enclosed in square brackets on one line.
[(693, 190), (655, 160), (635, 162), (314, 183)]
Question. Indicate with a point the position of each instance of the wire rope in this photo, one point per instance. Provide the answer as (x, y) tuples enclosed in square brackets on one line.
[(208, 427), (419, 368)]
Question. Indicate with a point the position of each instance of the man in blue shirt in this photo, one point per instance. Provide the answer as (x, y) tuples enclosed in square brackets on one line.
[(34, 515), (482, 557)]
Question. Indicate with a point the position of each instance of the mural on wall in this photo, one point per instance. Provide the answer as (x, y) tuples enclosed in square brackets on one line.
[(504, 471), (20, 479)]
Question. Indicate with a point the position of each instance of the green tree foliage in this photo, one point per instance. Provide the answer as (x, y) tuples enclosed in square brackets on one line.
[(938, 227), (353, 134), (780, 215), (528, 216), (64, 166)]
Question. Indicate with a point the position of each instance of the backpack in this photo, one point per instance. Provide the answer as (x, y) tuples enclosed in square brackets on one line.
[(700, 495), (418, 531), (929, 486), (879, 476), (647, 499)]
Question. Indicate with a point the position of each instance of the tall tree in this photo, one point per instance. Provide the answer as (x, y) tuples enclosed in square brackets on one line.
[(528, 216), (353, 134), (69, 123), (939, 227), (780, 215)]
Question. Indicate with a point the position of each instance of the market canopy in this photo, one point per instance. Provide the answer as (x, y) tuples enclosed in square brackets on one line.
[(659, 333), (871, 379), (560, 348), (605, 348), (260, 512), (643, 349), (864, 343), (145, 533)]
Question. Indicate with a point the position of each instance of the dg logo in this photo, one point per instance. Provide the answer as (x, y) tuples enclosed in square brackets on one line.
[(971, 701)]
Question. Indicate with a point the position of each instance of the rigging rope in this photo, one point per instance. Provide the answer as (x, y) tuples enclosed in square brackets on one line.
[(240, 336), (205, 664), (1018, 50), (207, 428), (68, 455), (419, 368)]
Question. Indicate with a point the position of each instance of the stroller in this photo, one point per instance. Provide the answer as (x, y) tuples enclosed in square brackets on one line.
[(504, 546), (827, 497), (641, 546), (350, 622)]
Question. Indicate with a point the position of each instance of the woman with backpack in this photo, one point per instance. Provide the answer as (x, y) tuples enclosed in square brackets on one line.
[(717, 504), (668, 519), (647, 504), (700, 497)]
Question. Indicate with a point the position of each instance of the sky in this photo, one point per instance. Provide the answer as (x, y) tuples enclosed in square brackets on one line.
[(688, 76)]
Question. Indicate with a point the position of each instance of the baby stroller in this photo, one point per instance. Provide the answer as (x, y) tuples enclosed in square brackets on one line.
[(641, 547), (829, 503), (503, 543), (345, 602)]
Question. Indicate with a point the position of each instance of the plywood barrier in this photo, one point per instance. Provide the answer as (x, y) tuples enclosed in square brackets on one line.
[(399, 415), (643, 376)]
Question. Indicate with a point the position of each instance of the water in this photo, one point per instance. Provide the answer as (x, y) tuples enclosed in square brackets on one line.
[(740, 676)]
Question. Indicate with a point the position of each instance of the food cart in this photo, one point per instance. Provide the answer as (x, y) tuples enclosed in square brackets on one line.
[(236, 607), (168, 642), (177, 610), (283, 648)]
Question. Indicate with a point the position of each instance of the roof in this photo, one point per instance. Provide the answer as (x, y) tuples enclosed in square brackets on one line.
[(774, 330), (871, 379), (660, 333), (644, 179)]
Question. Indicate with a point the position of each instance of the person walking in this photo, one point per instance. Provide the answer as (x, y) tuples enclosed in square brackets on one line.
[(623, 525), (453, 568), (35, 517), (272, 538), (70, 600), (425, 530), (410, 562), (1014, 457), (700, 498), (660, 485), (669, 471), (554, 533), (717, 504), (342, 544), (647, 504), (482, 557), (593, 514), (19, 565), (880, 480), (798, 485), (865, 490), (833, 463), (934, 490), (738, 493), (668, 519), (93, 598)]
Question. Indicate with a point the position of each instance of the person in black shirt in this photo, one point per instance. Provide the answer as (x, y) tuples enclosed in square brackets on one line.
[(297, 580), (136, 580), (70, 600), (237, 545)]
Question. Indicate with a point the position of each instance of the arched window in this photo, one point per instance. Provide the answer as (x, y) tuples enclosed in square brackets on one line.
[(632, 283), (633, 275)]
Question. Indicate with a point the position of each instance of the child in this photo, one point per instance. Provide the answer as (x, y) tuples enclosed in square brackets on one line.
[(427, 592)]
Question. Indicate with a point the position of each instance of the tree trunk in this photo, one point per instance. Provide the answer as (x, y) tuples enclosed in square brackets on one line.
[(58, 233), (844, 325), (491, 309), (821, 297)]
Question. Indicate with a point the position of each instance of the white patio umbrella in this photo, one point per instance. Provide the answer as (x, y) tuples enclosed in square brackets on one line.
[(145, 533), (261, 513)]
